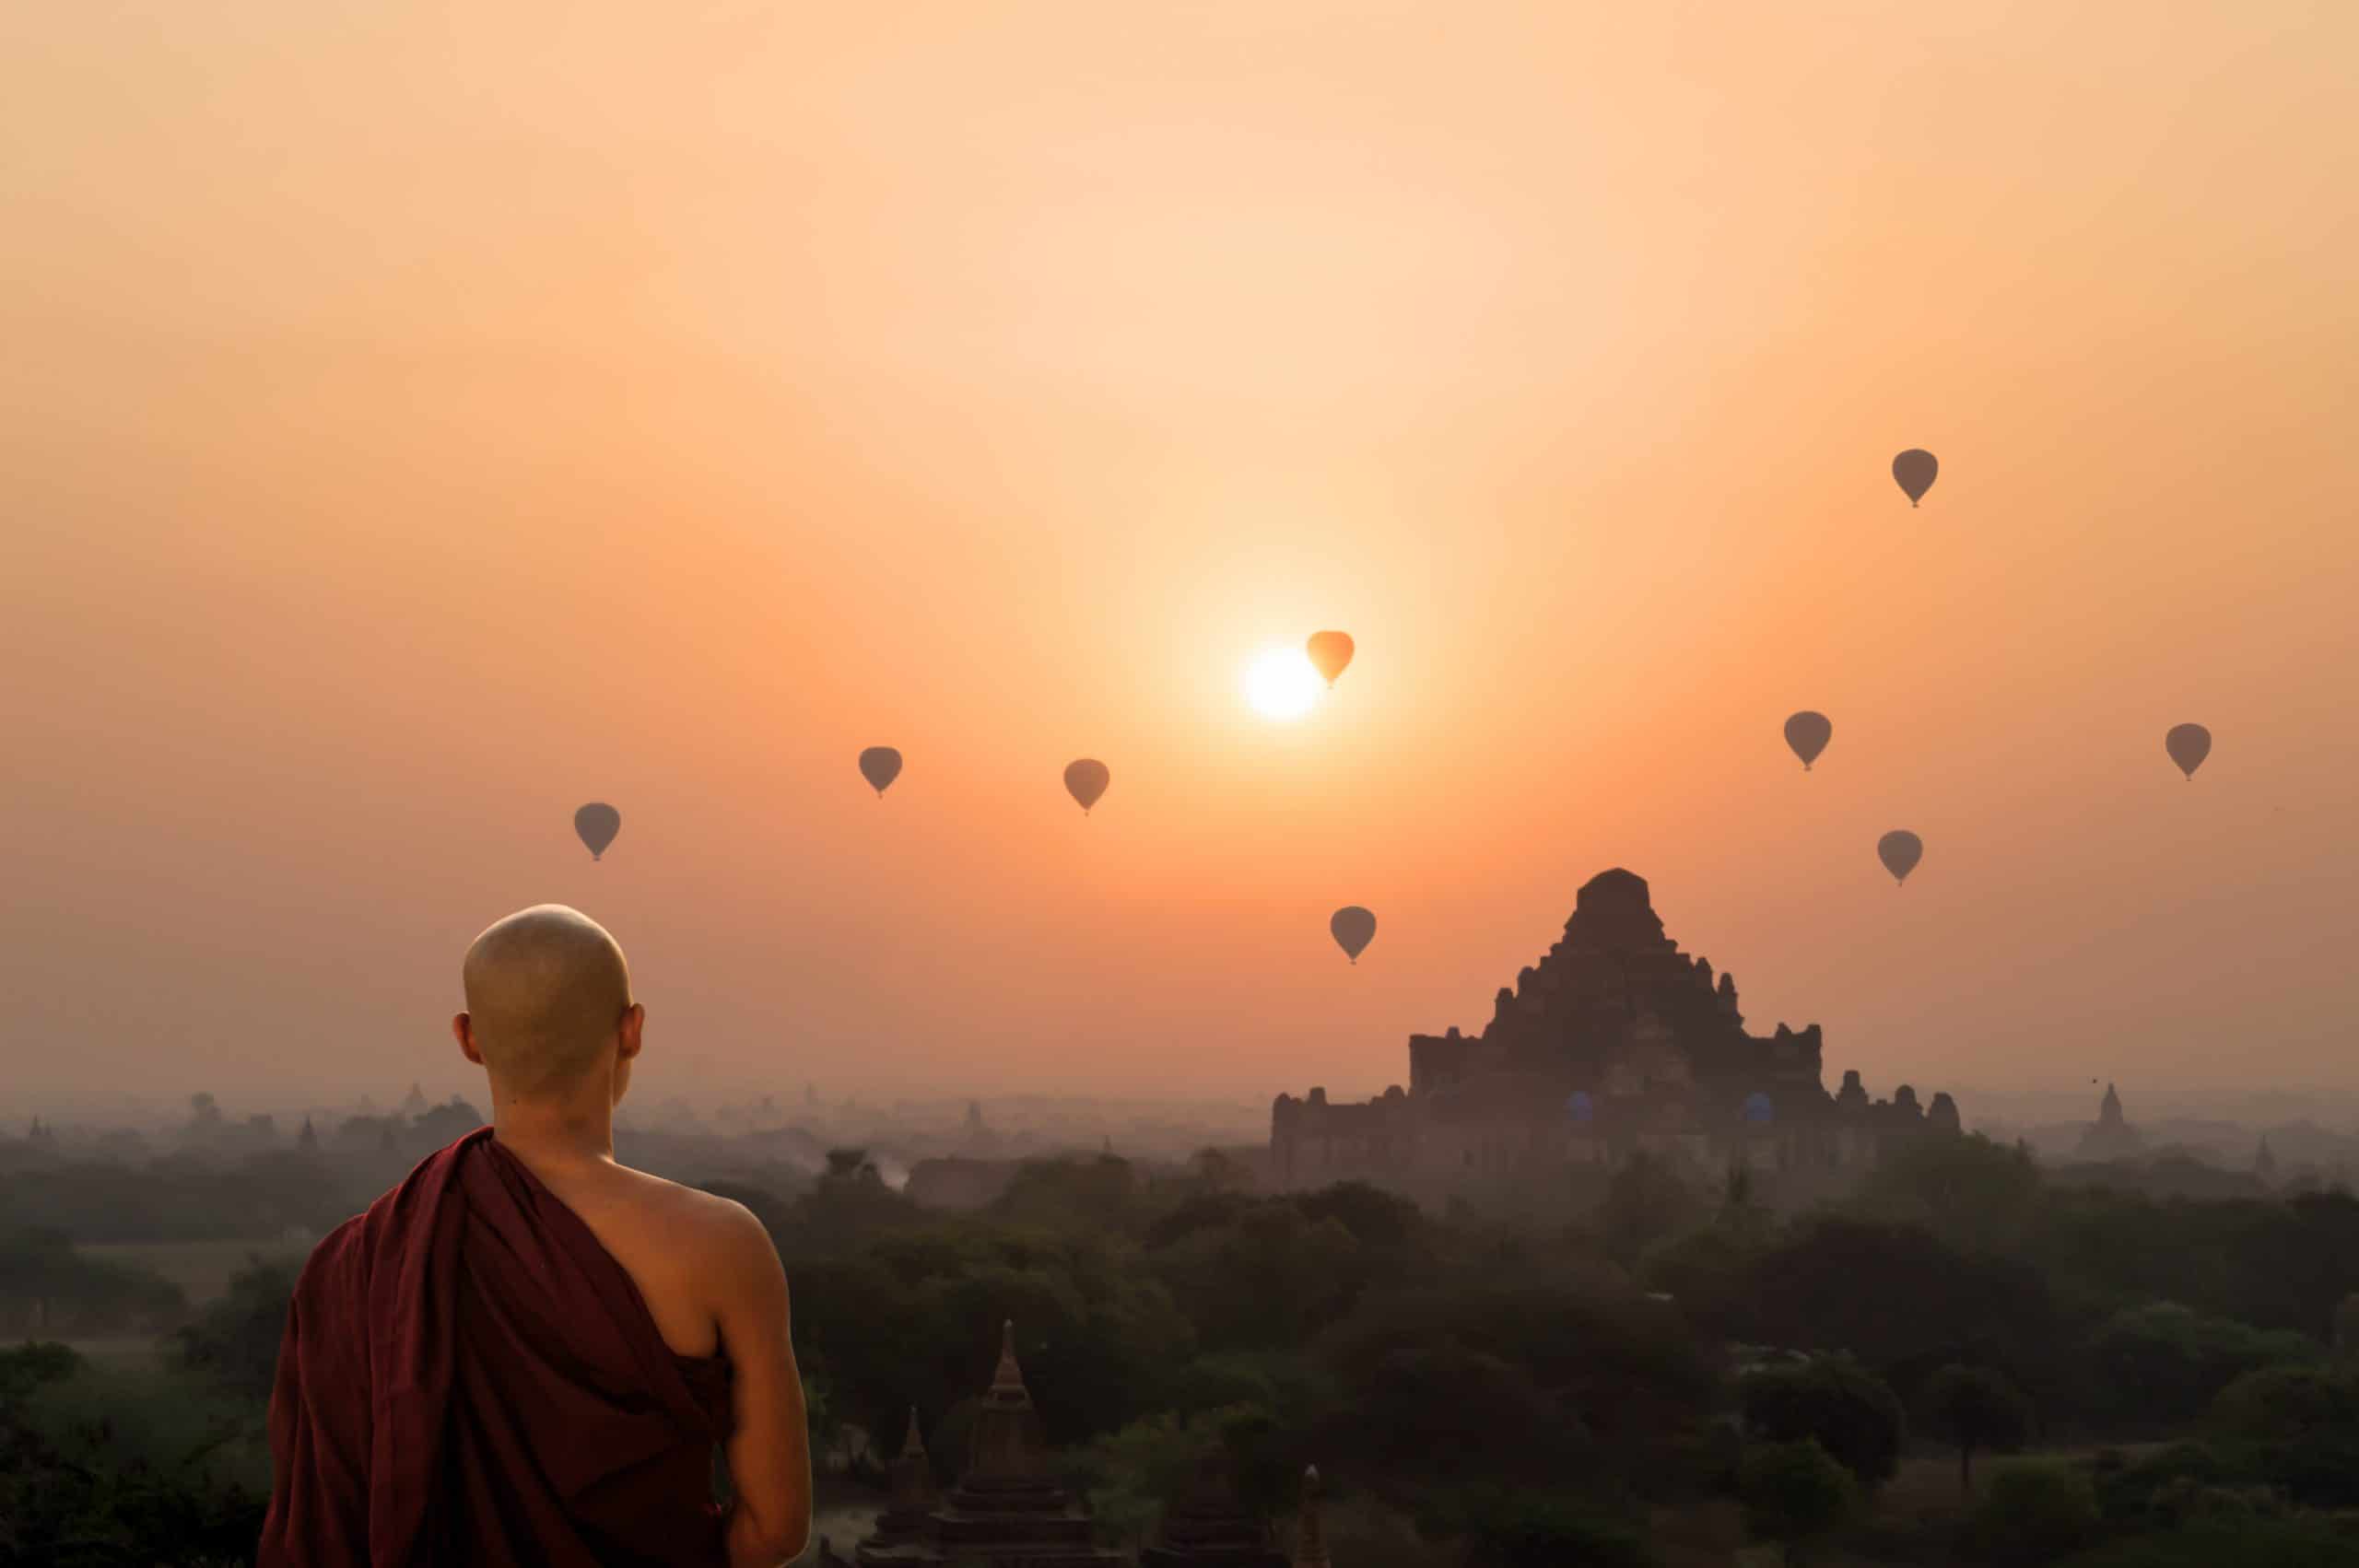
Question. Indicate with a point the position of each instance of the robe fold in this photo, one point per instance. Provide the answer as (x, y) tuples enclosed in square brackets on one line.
[(469, 1378)]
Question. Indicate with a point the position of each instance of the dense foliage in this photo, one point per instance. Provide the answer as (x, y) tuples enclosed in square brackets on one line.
[(47, 1287), (1488, 1390)]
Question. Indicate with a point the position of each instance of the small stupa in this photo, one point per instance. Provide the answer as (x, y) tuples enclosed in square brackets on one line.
[(904, 1531), (1007, 1510), (1310, 1537), (1208, 1525)]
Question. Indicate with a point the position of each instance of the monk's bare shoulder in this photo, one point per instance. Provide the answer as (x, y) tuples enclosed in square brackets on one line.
[(723, 1231)]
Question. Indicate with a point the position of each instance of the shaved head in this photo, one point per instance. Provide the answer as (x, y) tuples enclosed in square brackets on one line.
[(548, 992)]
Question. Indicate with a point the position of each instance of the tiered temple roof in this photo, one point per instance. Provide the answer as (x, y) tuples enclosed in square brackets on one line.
[(904, 1533), (1616, 1009), (1616, 1040), (1007, 1510)]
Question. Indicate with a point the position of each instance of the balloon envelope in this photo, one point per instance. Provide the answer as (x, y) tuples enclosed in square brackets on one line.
[(880, 765), (1352, 929), (597, 823), (1808, 734), (1914, 471), (1087, 779), (2189, 745), (1330, 652), (1900, 851)]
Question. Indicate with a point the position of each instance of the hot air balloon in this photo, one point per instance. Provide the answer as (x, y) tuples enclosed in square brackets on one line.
[(1352, 929), (597, 823), (1900, 851), (1330, 652), (1086, 780), (1808, 734), (2189, 745), (1914, 469), (880, 765)]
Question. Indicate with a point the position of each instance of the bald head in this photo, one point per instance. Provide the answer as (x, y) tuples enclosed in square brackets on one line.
[(547, 996)]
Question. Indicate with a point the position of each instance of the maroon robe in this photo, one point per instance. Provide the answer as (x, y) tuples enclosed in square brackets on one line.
[(468, 1377)]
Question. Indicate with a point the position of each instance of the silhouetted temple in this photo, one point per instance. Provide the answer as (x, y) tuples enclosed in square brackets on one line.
[(2110, 1137), (1006, 1511), (1207, 1527), (904, 1531), (1616, 1042)]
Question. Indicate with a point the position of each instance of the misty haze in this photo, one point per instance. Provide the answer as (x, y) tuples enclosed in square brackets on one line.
[(1285, 785)]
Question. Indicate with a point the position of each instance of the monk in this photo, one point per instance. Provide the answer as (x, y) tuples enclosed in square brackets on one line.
[(528, 1354)]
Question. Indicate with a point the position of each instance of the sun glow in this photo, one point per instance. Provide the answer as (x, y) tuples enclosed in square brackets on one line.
[(1280, 684)]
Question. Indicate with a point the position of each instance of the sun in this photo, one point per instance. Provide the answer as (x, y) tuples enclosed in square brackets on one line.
[(1280, 684)]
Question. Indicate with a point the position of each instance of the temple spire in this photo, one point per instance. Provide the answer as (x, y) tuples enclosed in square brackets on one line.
[(912, 1481), (1007, 1510), (1309, 1539), (1009, 1378)]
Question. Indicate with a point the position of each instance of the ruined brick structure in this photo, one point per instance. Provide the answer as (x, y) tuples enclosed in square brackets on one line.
[(1613, 1043)]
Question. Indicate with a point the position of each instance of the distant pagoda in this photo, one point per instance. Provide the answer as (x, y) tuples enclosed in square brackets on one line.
[(2110, 1137), (1207, 1525), (1007, 1512), (904, 1531)]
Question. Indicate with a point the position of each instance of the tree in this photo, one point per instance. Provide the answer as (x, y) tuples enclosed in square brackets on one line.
[(1645, 1202), (32, 1363), (1454, 1416), (2163, 1362), (1743, 1218), (1545, 1530), (2037, 1510), (237, 1336), (1375, 1217), (1975, 1407), (1897, 1297), (1846, 1410), (446, 1123), (1131, 1475), (1268, 1279), (2346, 1329), (2299, 1428), (853, 1164), (1096, 1194), (46, 1286), (912, 1315), (1793, 1494), (1974, 1193), (1212, 1171)]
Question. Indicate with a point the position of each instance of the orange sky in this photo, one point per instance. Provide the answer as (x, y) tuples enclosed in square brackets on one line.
[(419, 424)]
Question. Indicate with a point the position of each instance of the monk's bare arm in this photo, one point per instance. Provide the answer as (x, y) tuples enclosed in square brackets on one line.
[(769, 1451)]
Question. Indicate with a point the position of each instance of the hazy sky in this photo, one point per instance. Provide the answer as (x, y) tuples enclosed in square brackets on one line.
[(421, 419)]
